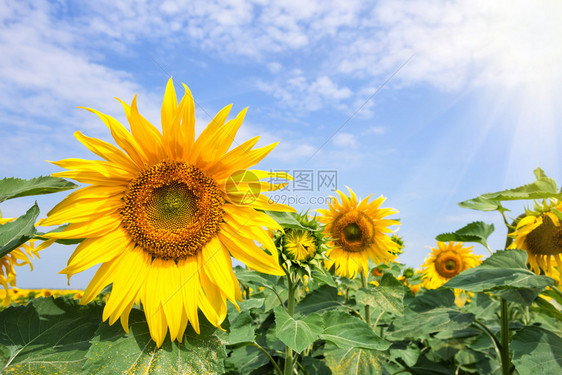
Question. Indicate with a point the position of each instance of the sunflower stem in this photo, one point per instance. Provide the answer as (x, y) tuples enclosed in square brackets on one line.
[(506, 361), (364, 279), (275, 365), (377, 321), (290, 310), (495, 341)]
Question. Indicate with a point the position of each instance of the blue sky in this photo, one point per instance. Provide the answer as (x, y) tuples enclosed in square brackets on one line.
[(473, 110)]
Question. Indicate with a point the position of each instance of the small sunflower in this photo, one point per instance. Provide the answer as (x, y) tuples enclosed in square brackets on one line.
[(358, 232), (445, 262), (300, 244), (165, 212), (17, 257), (539, 233)]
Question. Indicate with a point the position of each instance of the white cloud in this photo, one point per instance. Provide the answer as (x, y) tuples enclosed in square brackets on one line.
[(344, 140), (274, 67), (300, 93), (460, 43), (249, 28), (378, 130)]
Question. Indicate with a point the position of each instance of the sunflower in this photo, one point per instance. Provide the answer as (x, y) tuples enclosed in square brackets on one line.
[(539, 233), (358, 232), (165, 213), (445, 262), (17, 257), (300, 244)]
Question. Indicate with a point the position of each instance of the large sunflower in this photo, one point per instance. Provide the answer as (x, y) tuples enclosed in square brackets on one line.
[(540, 234), (17, 257), (164, 214), (357, 232), (445, 262)]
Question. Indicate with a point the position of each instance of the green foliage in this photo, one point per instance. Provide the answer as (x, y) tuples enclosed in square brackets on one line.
[(15, 233), (347, 331), (16, 187), (387, 297), (422, 324), (477, 231), (542, 187), (47, 336), (505, 274), (297, 333), (536, 349), (286, 219), (330, 325), (353, 360), (114, 351), (322, 299)]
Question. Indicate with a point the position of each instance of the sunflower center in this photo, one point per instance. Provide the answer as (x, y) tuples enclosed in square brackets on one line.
[(448, 264), (353, 232), (172, 210), (546, 239)]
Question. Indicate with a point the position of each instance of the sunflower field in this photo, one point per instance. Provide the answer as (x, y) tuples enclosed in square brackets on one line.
[(164, 213)]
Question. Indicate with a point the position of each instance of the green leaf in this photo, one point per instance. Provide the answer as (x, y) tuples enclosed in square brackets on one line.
[(357, 361), (347, 331), (240, 324), (537, 350), (297, 333), (47, 336), (286, 219), (482, 204), (388, 296), (506, 259), (255, 278), (406, 351), (431, 299), (245, 359), (416, 325), (115, 352), (241, 329), (321, 299), (547, 308), (542, 187), (17, 187), (505, 269), (477, 231), (321, 274), (60, 228), (315, 366), (17, 232)]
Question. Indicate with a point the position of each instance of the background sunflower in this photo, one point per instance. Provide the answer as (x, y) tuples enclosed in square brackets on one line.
[(446, 261), (357, 232), (539, 233)]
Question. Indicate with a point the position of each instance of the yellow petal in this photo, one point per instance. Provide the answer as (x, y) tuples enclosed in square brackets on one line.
[(215, 264), (107, 151), (145, 134), (171, 295), (203, 148), (83, 210), (123, 138), (191, 288), (101, 226), (97, 250), (187, 114), (246, 251)]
